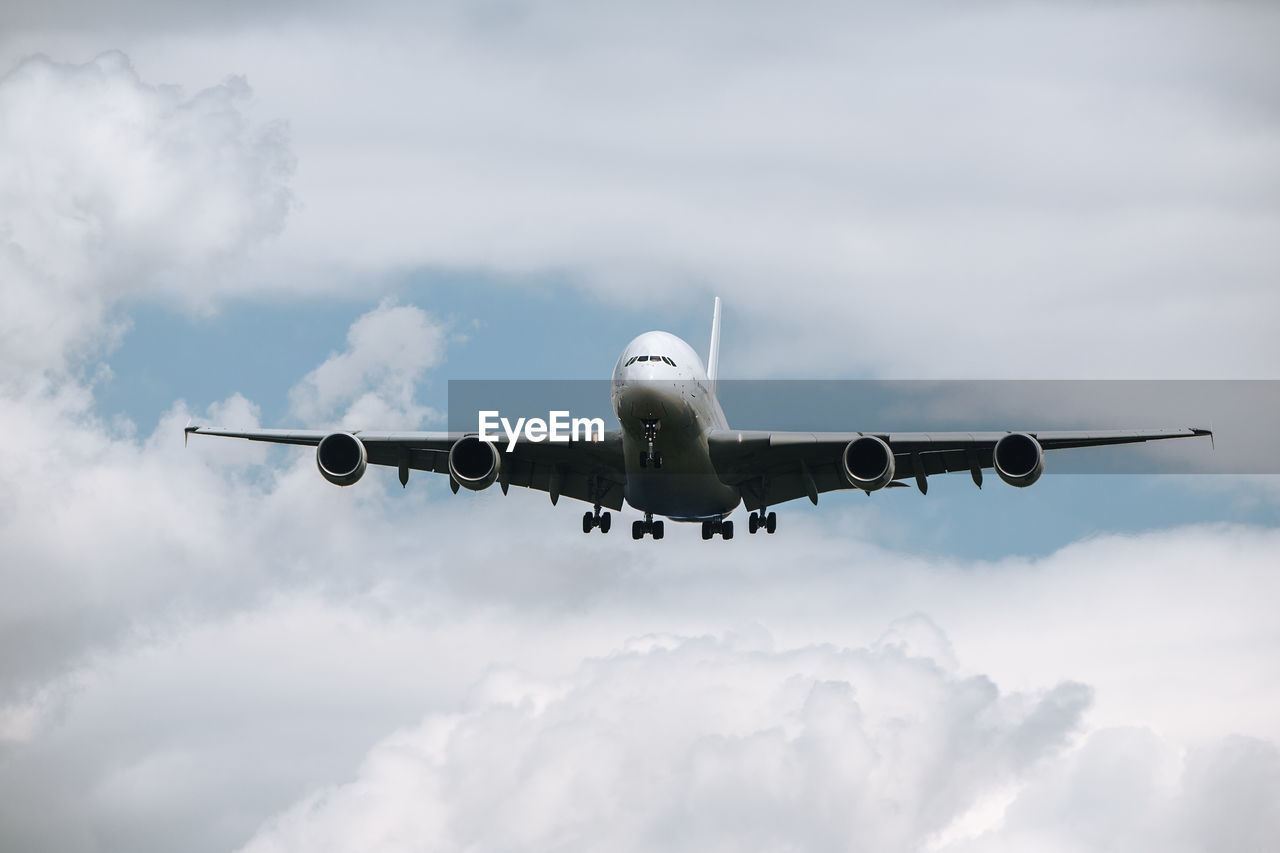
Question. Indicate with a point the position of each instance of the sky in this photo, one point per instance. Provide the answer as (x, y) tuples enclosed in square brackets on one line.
[(314, 215)]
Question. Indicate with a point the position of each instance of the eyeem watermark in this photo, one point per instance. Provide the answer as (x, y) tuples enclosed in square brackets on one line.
[(558, 427)]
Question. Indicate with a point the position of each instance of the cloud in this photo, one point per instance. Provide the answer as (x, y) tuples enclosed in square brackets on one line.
[(1054, 190), (215, 641), (178, 15), (1047, 190), (694, 744), (112, 188), (177, 622), (1128, 788), (389, 350)]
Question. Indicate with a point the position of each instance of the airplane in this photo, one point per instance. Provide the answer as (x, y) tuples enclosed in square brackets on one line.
[(676, 457)]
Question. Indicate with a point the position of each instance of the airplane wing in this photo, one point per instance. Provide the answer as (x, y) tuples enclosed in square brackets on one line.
[(590, 471), (774, 467)]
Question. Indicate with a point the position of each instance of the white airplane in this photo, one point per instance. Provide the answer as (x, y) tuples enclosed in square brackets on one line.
[(675, 455)]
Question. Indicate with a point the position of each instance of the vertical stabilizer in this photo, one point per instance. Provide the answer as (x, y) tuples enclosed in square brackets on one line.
[(713, 357)]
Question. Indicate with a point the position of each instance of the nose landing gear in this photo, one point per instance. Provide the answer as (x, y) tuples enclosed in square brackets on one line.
[(596, 519), (759, 520), (651, 457), (640, 528)]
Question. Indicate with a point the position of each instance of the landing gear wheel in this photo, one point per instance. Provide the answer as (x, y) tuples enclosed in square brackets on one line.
[(753, 523), (640, 528), (771, 522), (657, 459), (595, 519), (712, 526)]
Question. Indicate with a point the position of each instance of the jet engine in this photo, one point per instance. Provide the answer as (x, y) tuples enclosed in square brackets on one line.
[(341, 458), (1019, 459), (868, 463), (474, 463)]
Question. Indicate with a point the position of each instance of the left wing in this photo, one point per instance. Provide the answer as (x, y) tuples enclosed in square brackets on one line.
[(590, 471), (774, 467)]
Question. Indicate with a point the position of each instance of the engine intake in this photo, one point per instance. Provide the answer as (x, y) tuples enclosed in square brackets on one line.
[(868, 463), (341, 458), (474, 463), (1019, 459)]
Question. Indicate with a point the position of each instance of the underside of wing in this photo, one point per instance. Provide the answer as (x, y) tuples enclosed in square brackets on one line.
[(774, 467), (590, 471)]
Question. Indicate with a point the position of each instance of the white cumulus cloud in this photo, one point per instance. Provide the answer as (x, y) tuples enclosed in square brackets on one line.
[(111, 187), (1129, 789), (371, 384), (695, 745)]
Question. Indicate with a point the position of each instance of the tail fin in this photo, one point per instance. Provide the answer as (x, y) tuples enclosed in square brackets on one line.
[(713, 357)]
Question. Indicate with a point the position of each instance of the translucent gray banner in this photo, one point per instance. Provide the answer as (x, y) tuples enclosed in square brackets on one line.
[(1243, 414)]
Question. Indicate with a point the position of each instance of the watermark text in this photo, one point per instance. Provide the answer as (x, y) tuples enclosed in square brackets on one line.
[(558, 427)]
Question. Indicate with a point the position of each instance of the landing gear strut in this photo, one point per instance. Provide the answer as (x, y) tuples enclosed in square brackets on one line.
[(651, 456), (640, 528), (759, 520), (596, 519), (714, 526)]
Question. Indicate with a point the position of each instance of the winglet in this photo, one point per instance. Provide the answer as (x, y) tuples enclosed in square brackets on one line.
[(1208, 432), (186, 432), (713, 357)]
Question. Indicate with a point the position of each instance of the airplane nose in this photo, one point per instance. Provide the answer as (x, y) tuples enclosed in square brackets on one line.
[(648, 410), (643, 401)]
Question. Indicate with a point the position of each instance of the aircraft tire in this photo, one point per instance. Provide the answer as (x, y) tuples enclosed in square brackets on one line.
[(606, 522), (771, 522), (657, 530)]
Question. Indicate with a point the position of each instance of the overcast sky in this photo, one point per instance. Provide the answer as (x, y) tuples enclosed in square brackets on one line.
[(309, 214)]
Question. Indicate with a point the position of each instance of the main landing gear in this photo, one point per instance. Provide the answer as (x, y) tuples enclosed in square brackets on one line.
[(596, 519), (759, 520), (651, 456), (640, 528), (711, 528)]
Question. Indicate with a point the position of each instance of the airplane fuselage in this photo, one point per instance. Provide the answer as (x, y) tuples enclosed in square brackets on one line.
[(660, 391)]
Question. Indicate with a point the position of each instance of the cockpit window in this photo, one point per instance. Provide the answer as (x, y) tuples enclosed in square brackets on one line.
[(636, 358)]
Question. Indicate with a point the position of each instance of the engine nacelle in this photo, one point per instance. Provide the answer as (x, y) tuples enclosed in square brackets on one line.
[(341, 458), (868, 463), (1019, 459), (474, 463)]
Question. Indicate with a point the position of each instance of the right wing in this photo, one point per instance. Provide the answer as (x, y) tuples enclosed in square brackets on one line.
[(774, 467), (590, 471)]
